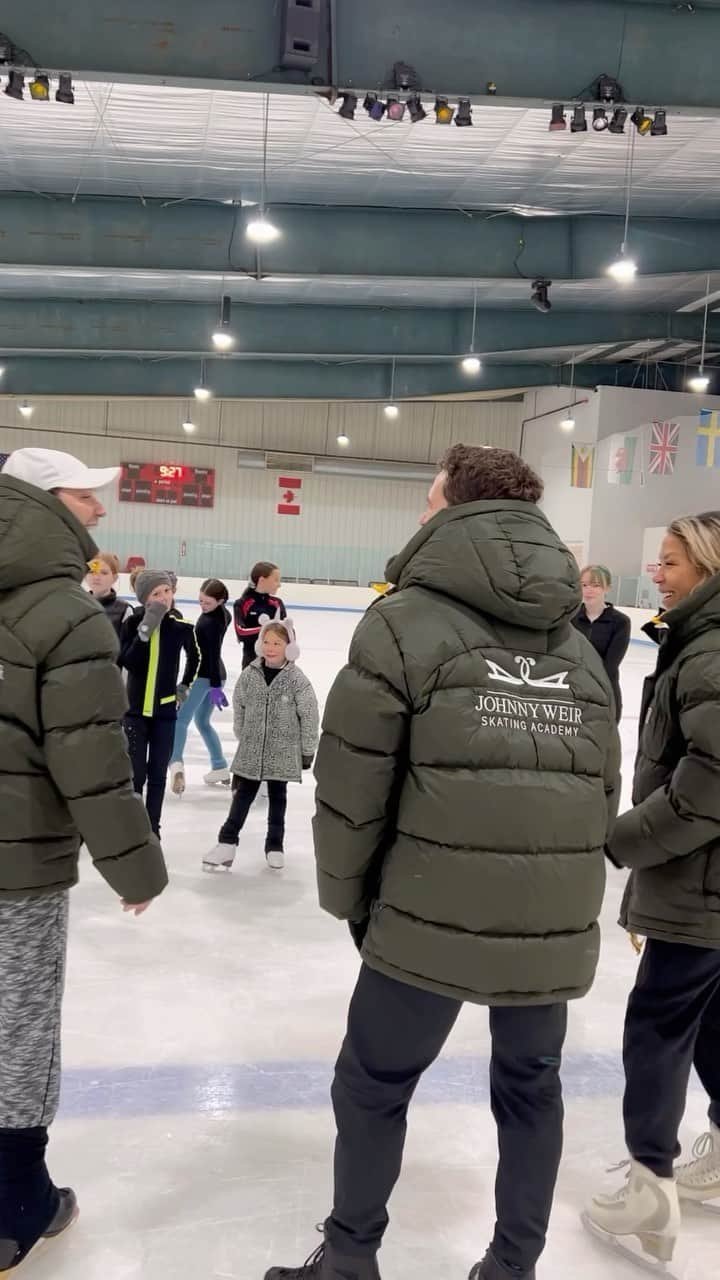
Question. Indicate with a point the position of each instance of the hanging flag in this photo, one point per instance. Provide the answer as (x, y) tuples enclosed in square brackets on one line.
[(707, 452), (664, 443), (622, 459), (289, 503), (582, 461)]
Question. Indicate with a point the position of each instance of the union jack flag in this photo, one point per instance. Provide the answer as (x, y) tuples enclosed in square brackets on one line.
[(663, 448)]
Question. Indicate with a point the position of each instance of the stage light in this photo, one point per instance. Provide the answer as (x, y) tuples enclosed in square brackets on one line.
[(540, 295), (374, 107), (443, 111), (609, 90), (405, 76), (600, 120), (348, 106), (222, 336), (700, 382), (65, 90), (642, 121), (578, 124), (260, 231), (15, 85), (470, 365), (623, 270), (557, 118), (659, 125), (40, 89), (391, 411), (617, 124), (343, 440), (463, 116), (491, 88), (416, 110), (27, 410), (395, 109)]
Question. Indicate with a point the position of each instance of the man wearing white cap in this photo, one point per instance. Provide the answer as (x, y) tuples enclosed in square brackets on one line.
[(64, 780)]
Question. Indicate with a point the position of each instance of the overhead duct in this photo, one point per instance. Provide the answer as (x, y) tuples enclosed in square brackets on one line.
[(372, 470)]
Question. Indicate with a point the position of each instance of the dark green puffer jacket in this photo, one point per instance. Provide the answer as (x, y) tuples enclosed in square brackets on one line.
[(671, 839), (64, 767), (468, 768)]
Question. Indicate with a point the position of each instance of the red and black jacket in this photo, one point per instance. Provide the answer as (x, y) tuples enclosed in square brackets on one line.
[(247, 612)]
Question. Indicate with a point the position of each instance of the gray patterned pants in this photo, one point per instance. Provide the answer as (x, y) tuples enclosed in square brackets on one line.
[(33, 945)]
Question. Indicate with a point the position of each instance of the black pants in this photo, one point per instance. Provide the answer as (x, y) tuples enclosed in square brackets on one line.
[(244, 792), (150, 743), (672, 1021), (394, 1033), (28, 1199)]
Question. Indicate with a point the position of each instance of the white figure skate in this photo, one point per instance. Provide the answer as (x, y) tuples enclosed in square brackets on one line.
[(275, 859), (699, 1179), (645, 1212), (220, 858), (216, 776), (177, 778)]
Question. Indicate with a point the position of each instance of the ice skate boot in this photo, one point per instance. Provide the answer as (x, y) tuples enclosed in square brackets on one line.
[(275, 857), (11, 1255), (699, 1179), (216, 776), (220, 858), (177, 778), (491, 1269), (327, 1264), (645, 1210)]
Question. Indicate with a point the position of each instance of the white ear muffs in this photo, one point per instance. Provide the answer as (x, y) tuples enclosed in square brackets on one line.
[(264, 619), (292, 653)]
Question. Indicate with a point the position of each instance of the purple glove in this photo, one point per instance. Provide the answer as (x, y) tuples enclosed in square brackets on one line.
[(218, 699)]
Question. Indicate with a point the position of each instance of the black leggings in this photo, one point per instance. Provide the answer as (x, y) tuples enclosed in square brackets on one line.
[(150, 743), (244, 792)]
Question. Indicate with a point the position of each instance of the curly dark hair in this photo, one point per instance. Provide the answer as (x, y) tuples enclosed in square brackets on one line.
[(473, 473)]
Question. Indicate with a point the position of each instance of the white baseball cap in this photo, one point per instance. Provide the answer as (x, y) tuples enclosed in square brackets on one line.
[(49, 469)]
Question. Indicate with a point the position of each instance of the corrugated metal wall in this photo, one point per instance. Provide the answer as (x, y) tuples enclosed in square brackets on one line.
[(348, 526)]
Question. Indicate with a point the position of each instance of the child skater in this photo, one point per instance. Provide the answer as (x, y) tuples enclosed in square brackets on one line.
[(151, 645), (276, 724), (259, 599), (100, 582)]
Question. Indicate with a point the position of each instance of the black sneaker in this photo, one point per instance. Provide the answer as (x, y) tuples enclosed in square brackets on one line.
[(327, 1264), (11, 1255), (491, 1269)]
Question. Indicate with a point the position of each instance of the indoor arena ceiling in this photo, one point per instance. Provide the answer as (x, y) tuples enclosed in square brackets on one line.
[(123, 215)]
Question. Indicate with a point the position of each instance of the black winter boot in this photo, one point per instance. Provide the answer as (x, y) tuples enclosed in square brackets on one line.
[(327, 1264), (491, 1269)]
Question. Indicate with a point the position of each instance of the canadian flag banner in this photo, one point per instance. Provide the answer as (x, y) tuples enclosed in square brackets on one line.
[(289, 504)]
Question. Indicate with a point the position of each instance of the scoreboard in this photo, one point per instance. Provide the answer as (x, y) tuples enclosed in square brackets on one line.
[(168, 484)]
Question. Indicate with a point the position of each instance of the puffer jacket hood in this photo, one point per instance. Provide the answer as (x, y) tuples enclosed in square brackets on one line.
[(39, 537), (502, 558)]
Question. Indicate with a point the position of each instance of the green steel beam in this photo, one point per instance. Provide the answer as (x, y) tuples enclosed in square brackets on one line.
[(99, 328), (199, 236), (310, 380), (541, 50)]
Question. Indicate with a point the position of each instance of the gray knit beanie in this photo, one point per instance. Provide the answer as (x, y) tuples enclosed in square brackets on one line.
[(148, 580)]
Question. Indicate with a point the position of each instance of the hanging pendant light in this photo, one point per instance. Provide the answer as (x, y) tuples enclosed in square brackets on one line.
[(259, 229), (391, 410), (471, 364), (700, 381)]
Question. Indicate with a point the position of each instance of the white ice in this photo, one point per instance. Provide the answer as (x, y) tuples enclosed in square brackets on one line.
[(198, 1045)]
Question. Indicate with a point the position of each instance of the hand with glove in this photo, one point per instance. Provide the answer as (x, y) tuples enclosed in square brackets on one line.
[(181, 694), (153, 616), (307, 762), (218, 699)]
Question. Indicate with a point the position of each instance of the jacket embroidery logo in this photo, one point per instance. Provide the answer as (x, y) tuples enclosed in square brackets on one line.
[(558, 681)]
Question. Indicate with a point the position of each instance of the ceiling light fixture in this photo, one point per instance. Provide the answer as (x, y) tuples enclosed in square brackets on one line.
[(540, 295), (27, 410), (202, 391), (642, 121), (188, 426), (416, 110), (470, 364), (700, 381), (222, 337), (463, 115), (259, 229), (609, 90), (391, 410), (40, 88), (659, 125), (343, 440), (395, 109), (578, 124), (624, 269), (617, 124), (65, 90), (348, 106), (15, 85), (443, 111), (557, 118), (600, 120)]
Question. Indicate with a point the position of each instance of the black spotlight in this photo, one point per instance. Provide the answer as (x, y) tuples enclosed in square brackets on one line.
[(15, 85), (557, 118), (405, 76), (65, 91), (416, 110), (463, 115), (578, 124), (539, 296), (349, 105), (617, 124), (659, 125), (609, 90), (600, 120), (642, 121), (7, 51)]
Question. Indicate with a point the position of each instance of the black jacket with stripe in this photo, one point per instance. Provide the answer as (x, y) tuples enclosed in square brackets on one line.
[(152, 665)]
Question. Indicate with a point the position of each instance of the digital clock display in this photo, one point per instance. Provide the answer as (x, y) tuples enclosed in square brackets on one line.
[(168, 484)]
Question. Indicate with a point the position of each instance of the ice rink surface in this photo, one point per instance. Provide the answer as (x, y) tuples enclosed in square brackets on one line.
[(199, 1042)]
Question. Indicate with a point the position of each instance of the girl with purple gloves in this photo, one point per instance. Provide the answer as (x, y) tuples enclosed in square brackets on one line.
[(206, 694)]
